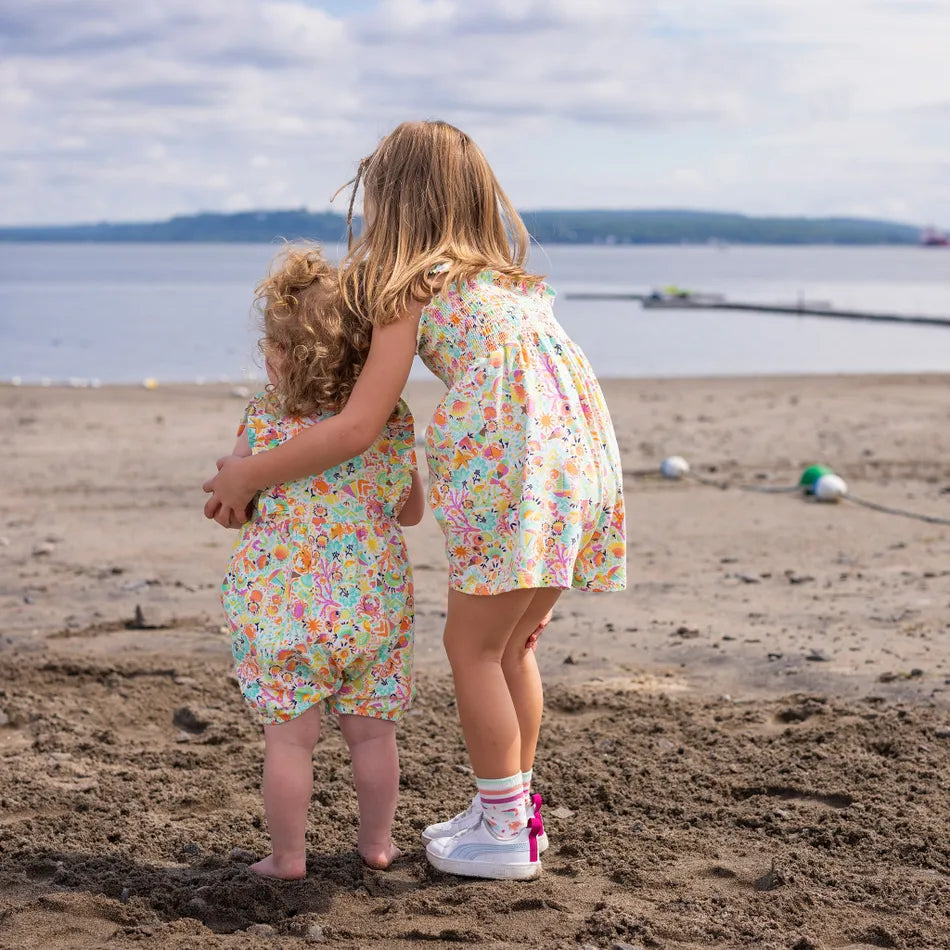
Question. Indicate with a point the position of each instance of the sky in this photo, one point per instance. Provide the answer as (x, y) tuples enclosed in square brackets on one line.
[(115, 110)]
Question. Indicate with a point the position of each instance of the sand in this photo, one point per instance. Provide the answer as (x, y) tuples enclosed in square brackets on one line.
[(750, 747)]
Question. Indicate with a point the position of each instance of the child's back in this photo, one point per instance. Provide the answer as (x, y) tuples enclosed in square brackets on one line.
[(319, 589)]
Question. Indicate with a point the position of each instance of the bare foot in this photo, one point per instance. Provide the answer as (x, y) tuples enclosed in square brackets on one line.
[(379, 857), (288, 869)]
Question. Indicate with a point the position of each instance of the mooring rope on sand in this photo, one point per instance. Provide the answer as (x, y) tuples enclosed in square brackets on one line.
[(818, 481), (888, 510), (762, 489)]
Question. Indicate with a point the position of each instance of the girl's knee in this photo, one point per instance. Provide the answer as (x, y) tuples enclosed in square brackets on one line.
[(461, 647), (302, 731), (516, 658), (358, 730)]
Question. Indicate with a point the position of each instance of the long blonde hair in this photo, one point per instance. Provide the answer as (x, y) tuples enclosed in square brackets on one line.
[(435, 200), (316, 343)]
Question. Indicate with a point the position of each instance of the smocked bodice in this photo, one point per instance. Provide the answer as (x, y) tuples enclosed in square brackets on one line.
[(466, 323)]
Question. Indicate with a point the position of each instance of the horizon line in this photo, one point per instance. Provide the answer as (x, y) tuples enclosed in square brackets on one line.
[(303, 209)]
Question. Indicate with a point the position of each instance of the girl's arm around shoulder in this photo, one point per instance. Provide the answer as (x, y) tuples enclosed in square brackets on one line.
[(414, 506), (330, 442)]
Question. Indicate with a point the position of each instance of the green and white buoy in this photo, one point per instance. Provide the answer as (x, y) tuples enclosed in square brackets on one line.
[(821, 482)]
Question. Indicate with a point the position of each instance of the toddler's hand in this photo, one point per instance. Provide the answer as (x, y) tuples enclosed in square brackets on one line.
[(532, 641), (230, 499)]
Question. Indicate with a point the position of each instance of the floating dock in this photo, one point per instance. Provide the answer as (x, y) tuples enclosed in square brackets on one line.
[(803, 309)]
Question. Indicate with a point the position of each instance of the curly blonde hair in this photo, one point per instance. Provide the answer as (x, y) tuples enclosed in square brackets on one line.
[(435, 200), (315, 342)]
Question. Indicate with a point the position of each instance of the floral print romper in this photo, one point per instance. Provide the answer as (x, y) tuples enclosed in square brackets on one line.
[(318, 591), (525, 476)]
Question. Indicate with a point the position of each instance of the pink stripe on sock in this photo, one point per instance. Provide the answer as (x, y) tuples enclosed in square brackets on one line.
[(506, 790), (500, 801)]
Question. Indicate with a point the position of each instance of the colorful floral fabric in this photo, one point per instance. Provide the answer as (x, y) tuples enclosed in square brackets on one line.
[(318, 591), (525, 475)]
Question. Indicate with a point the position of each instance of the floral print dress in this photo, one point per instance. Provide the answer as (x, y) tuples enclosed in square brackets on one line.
[(318, 591), (525, 476)]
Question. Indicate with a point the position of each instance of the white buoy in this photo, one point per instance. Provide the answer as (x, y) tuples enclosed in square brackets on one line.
[(830, 487), (674, 467), (16, 381), (150, 383)]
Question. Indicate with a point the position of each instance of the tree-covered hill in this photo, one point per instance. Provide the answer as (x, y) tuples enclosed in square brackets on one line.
[(547, 227), (674, 227)]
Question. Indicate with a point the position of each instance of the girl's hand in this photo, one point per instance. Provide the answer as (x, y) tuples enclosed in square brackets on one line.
[(231, 495), (532, 642)]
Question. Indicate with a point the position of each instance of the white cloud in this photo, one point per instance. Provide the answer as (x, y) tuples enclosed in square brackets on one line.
[(118, 110)]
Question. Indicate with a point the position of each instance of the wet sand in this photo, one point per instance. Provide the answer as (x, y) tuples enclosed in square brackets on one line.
[(750, 747)]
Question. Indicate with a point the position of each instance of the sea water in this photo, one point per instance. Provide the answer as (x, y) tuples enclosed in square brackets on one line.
[(182, 312)]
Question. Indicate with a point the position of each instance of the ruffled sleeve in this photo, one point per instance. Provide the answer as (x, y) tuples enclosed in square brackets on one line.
[(263, 423)]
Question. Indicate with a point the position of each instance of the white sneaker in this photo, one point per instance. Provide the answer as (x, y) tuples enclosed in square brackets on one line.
[(476, 852), (472, 816), (461, 822)]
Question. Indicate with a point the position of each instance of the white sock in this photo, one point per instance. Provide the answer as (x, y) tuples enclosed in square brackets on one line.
[(503, 805), (526, 782)]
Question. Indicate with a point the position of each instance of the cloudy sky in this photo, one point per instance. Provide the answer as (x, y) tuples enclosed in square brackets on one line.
[(111, 109)]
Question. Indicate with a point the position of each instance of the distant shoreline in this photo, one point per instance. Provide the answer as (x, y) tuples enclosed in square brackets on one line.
[(242, 388), (593, 227)]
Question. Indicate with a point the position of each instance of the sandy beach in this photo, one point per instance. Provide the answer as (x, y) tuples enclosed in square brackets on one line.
[(750, 747)]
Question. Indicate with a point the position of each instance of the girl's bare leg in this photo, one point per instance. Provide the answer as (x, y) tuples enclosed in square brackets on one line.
[(520, 668), (372, 745), (287, 786), (477, 635)]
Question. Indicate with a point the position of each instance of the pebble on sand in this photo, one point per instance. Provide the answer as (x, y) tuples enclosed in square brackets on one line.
[(261, 930)]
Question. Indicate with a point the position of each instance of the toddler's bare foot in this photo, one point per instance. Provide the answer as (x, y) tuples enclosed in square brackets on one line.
[(379, 857), (286, 869)]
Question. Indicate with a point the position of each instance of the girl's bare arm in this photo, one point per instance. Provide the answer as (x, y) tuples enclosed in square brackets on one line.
[(328, 443)]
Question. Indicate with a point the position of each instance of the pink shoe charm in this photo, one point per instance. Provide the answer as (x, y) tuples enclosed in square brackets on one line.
[(535, 810), (535, 828), (537, 801)]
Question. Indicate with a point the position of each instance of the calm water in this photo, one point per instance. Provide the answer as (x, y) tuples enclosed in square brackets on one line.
[(121, 313)]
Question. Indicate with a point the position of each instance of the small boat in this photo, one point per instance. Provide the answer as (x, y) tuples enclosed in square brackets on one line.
[(672, 298), (934, 237)]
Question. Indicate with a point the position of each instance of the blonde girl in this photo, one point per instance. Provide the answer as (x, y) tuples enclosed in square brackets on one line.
[(525, 476), (318, 591)]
